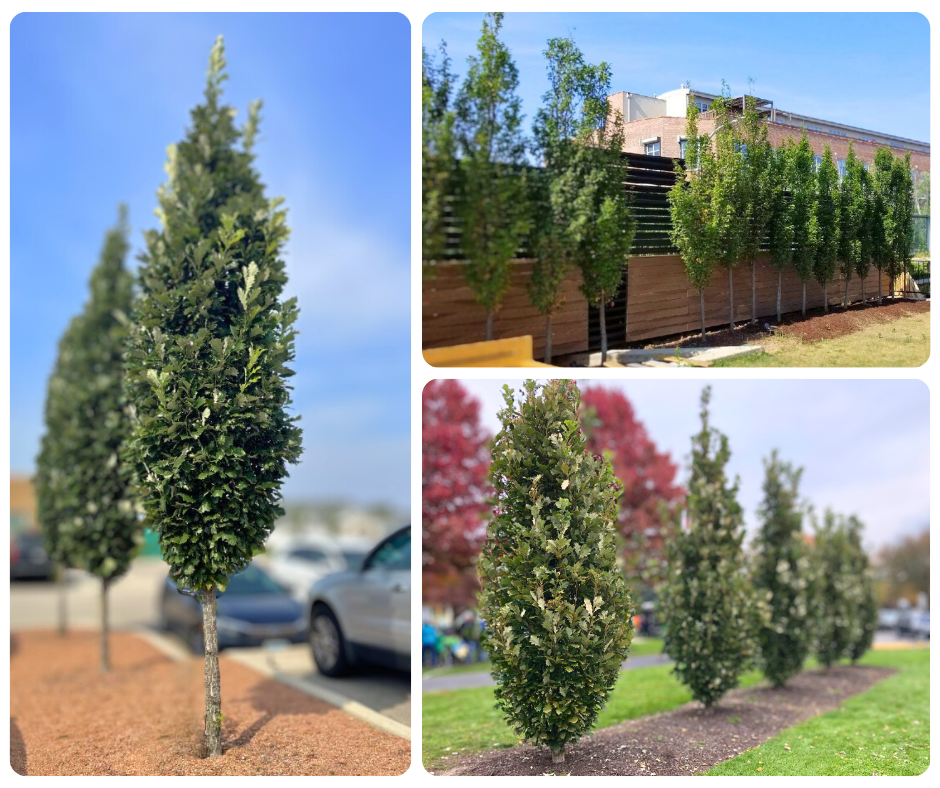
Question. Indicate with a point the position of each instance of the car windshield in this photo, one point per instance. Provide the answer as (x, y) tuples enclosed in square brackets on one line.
[(252, 581), (354, 560)]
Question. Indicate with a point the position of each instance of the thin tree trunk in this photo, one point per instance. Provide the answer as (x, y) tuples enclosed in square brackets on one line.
[(548, 339), (779, 290), (862, 278), (213, 729), (558, 756), (63, 599), (845, 298), (105, 656), (753, 291), (701, 303), (804, 298), (879, 287), (731, 297), (825, 289), (603, 328), (489, 325)]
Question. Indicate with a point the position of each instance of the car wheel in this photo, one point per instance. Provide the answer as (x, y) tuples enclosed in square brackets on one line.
[(327, 643)]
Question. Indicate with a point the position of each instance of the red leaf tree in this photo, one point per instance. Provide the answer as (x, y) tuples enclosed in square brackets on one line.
[(648, 478), (455, 463)]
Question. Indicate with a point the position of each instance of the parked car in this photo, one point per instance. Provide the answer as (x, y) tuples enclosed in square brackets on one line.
[(888, 618), (254, 608), (28, 558), (304, 561), (920, 624), (364, 615)]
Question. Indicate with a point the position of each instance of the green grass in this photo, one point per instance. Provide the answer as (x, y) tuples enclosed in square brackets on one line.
[(904, 342), (885, 730), (466, 721)]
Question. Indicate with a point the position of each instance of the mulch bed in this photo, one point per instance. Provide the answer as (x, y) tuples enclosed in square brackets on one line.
[(145, 717), (689, 739), (815, 326)]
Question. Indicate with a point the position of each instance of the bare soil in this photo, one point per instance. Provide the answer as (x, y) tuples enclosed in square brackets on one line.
[(815, 326), (690, 739), (145, 717)]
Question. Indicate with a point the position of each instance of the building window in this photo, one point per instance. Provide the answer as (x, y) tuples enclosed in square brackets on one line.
[(682, 148), (817, 161), (652, 148), (840, 163), (702, 106)]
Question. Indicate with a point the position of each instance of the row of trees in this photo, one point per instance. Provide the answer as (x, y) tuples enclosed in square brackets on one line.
[(735, 194), (572, 212), (170, 394), (557, 602)]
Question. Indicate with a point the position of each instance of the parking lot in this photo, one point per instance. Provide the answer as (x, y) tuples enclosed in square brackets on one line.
[(134, 601)]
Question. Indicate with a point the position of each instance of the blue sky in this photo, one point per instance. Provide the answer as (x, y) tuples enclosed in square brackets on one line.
[(865, 69), (864, 444), (96, 99)]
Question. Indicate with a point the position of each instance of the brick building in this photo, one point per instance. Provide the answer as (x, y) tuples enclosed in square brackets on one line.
[(655, 125)]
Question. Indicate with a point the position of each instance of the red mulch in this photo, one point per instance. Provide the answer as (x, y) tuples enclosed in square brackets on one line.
[(690, 739), (145, 717)]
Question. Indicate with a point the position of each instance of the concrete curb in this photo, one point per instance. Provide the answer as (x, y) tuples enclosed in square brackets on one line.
[(169, 647)]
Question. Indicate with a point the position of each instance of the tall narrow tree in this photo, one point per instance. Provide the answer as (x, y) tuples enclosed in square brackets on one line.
[(866, 233), (899, 220), (851, 218), (708, 607), (493, 210), (95, 524), (826, 214), (438, 157), (557, 610), (781, 571), (780, 228), (836, 624), (882, 217), (866, 605), (207, 364), (802, 182)]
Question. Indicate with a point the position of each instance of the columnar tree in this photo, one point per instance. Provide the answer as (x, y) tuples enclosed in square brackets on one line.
[(836, 626), (900, 219), (455, 461), (693, 228), (882, 218), (575, 180), (757, 189), (866, 604), (207, 364), (851, 218), (866, 229), (802, 182), (94, 523), (708, 607), (438, 156), (826, 214), (780, 228), (781, 569), (493, 210), (647, 475), (556, 605)]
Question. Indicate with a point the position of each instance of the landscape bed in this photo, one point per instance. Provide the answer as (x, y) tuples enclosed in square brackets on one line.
[(145, 717)]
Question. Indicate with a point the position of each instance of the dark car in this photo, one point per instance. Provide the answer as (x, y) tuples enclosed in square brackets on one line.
[(28, 558), (254, 608)]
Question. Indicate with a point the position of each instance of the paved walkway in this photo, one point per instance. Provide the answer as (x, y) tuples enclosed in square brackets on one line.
[(482, 678)]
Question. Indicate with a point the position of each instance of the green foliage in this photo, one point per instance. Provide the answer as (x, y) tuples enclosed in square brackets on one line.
[(85, 498), (781, 569), (826, 213), (899, 222), (708, 607), (780, 227), (208, 352), (865, 228), (438, 155), (851, 214), (802, 184), (757, 182), (865, 613), (492, 209), (557, 608), (729, 191)]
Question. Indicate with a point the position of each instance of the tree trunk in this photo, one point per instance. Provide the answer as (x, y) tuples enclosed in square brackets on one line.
[(701, 303), (825, 289), (731, 297), (63, 599), (548, 339), (779, 290), (603, 328), (845, 298), (879, 287), (489, 325), (804, 298), (558, 756), (213, 730), (862, 278), (753, 291), (105, 656)]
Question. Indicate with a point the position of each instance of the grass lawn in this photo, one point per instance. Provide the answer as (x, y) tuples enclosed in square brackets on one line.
[(885, 730), (640, 647), (465, 721), (904, 342)]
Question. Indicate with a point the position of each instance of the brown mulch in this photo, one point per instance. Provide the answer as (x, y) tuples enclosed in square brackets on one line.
[(689, 739), (145, 717), (815, 326)]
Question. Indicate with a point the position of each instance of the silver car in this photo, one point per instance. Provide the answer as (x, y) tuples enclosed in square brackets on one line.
[(365, 615)]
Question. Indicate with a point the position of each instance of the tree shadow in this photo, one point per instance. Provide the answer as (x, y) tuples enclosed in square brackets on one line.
[(17, 749)]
